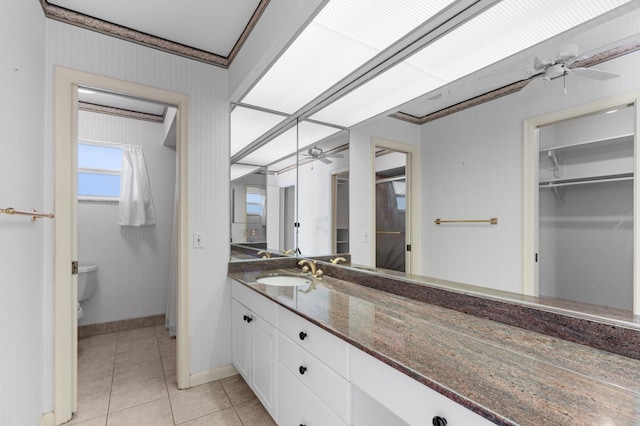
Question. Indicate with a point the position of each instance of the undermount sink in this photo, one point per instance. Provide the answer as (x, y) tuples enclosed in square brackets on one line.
[(283, 280)]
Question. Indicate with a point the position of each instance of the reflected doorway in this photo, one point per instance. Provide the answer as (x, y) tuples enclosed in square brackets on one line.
[(391, 210), (287, 225), (340, 212)]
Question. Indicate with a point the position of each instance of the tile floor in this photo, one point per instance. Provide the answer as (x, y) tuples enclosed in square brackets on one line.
[(129, 378)]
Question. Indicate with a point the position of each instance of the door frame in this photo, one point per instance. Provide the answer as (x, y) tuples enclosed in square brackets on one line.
[(66, 82), (530, 219), (412, 226)]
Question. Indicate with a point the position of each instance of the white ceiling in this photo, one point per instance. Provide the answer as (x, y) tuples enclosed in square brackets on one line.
[(216, 26), (210, 25)]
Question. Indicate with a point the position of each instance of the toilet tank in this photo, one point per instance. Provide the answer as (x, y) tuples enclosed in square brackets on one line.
[(87, 281)]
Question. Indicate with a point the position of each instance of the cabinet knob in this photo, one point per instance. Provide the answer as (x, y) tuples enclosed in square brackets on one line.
[(302, 335), (439, 421), (302, 369)]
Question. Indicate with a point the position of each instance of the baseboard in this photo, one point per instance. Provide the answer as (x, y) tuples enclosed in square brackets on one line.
[(212, 375), (48, 419)]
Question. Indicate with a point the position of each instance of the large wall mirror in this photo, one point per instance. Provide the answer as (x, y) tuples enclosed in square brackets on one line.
[(473, 165)]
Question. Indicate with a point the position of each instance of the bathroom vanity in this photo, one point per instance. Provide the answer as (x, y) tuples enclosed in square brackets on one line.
[(338, 352)]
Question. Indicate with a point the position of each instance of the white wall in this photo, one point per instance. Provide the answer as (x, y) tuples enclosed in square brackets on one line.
[(314, 204), (25, 365), (209, 300), (361, 195), (472, 169), (133, 262)]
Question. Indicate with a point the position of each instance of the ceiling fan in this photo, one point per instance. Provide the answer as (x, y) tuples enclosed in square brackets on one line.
[(560, 66), (315, 153)]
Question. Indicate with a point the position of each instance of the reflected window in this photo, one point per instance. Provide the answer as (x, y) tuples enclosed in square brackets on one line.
[(256, 198), (400, 191)]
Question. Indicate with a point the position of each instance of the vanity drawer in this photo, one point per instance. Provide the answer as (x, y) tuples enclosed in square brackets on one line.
[(297, 405), (258, 303), (401, 396), (323, 345), (325, 383)]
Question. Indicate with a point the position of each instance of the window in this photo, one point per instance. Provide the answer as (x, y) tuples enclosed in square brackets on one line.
[(99, 171)]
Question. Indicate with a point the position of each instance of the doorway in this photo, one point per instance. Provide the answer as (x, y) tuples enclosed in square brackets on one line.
[(580, 204), (65, 293)]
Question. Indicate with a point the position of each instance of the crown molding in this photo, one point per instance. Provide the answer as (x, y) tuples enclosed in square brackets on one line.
[(95, 24), (590, 61)]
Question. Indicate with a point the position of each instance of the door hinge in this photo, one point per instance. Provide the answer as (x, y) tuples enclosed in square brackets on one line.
[(408, 247), (536, 257), (74, 267)]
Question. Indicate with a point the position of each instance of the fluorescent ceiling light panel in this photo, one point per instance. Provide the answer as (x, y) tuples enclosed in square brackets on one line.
[(248, 124), (287, 144), (240, 170), (505, 29), (342, 37)]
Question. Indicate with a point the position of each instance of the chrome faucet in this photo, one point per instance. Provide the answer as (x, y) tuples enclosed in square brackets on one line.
[(267, 254), (311, 266), (337, 260)]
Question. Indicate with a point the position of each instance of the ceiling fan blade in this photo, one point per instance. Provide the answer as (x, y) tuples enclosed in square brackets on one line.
[(333, 155), (324, 160), (595, 74)]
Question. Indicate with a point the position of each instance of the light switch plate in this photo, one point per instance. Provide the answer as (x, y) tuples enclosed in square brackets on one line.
[(198, 240)]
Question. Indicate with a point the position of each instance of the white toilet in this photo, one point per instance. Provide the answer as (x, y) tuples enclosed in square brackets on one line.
[(87, 284)]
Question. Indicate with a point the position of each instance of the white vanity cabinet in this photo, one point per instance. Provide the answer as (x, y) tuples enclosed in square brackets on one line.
[(255, 343), (306, 376), (382, 394), (313, 371)]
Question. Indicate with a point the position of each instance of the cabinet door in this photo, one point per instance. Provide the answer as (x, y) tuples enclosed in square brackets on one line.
[(241, 339), (264, 361)]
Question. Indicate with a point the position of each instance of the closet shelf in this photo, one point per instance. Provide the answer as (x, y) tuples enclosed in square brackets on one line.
[(614, 140)]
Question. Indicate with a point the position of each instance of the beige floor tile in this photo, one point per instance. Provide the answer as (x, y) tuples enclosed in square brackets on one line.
[(226, 417), (199, 401), (96, 361), (172, 384), (94, 381), (169, 365), (156, 413), (167, 349), (100, 341), (127, 345), (144, 352), (253, 413), (237, 389), (136, 335), (128, 395), (98, 421), (91, 406), (138, 372)]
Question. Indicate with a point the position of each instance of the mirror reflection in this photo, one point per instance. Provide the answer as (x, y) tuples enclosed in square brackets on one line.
[(471, 167)]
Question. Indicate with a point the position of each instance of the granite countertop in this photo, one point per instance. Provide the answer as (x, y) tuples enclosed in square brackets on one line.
[(507, 374)]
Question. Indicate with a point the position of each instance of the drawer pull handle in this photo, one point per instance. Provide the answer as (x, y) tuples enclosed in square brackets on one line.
[(302, 369), (247, 318), (439, 421), (302, 335)]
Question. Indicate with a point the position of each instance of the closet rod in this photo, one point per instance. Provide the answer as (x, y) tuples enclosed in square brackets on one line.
[(583, 182), (34, 214)]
